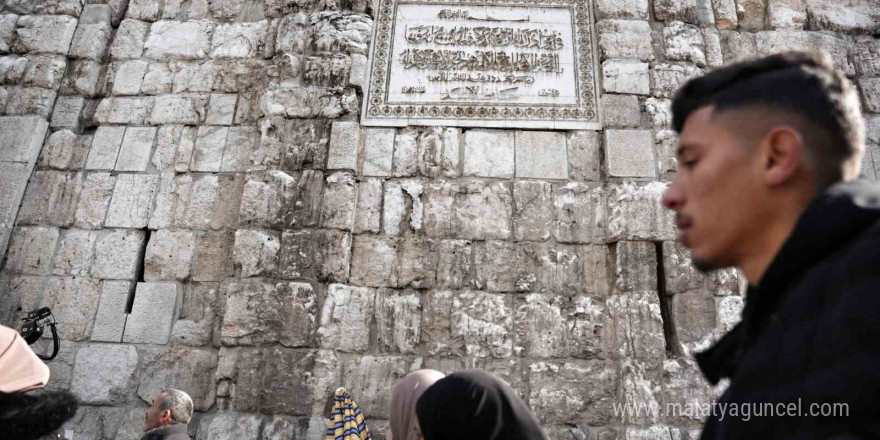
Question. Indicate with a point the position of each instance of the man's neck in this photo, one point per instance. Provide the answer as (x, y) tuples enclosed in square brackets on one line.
[(769, 241)]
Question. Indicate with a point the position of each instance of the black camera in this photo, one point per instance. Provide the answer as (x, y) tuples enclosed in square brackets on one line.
[(32, 329)]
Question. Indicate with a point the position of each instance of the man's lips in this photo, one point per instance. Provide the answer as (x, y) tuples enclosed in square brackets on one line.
[(683, 223)]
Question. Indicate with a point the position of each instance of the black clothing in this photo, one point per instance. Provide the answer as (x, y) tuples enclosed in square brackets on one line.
[(176, 431), (475, 405), (810, 332), (35, 414)]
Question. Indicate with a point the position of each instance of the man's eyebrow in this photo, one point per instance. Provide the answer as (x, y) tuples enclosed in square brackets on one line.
[(682, 148)]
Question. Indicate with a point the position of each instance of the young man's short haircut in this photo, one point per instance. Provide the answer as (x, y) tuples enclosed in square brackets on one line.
[(804, 84)]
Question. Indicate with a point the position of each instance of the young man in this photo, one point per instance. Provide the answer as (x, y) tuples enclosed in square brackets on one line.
[(168, 416), (769, 153)]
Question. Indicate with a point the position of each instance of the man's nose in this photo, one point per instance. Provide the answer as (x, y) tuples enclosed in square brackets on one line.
[(673, 197)]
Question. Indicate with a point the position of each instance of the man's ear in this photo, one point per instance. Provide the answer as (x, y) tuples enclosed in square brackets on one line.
[(165, 417), (784, 152)]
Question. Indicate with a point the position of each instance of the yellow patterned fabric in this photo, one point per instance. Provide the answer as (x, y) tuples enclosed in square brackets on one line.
[(346, 421)]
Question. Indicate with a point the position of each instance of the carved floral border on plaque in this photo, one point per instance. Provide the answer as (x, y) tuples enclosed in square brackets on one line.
[(489, 63)]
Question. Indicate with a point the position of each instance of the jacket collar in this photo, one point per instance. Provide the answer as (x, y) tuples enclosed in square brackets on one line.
[(165, 431), (830, 221)]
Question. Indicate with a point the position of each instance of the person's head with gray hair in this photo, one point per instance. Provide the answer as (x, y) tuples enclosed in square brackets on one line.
[(170, 407)]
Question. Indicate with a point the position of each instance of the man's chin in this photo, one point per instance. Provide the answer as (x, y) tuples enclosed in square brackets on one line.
[(707, 264)]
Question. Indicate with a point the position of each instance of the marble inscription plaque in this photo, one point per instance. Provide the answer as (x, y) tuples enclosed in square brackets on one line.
[(486, 63)]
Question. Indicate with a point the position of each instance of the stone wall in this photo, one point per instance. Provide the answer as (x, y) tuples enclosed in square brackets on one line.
[(201, 209)]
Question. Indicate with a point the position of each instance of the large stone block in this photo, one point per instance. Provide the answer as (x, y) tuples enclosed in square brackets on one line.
[(621, 111), (208, 152), (117, 253), (44, 71), (75, 252), (342, 32), (398, 321), (580, 216), (368, 215), (91, 40), (635, 212), (345, 137), (23, 137), (124, 110), (837, 48), (866, 56), (346, 317), (870, 88), (482, 210), (684, 42), (636, 266), (50, 198), (256, 252), (230, 425), (405, 158), (240, 144), (74, 301), (129, 40), (416, 264), (129, 77), (573, 391), (321, 255), (484, 321), (371, 380), (541, 155), (455, 264), (628, 9), (625, 76), (439, 151), (555, 326), (260, 312), (338, 206), (65, 150), (403, 207), (69, 113), (629, 153), (221, 109), (213, 256), (45, 34), (186, 40), (110, 318), (625, 39), (187, 369), (859, 16), (152, 313), (7, 31), (378, 151), (501, 266), (94, 199), (634, 329), (533, 214), (31, 250), (169, 255), (183, 109), (669, 77), (694, 314), (243, 40), (489, 153), (132, 201), (31, 101), (786, 14), (584, 156), (83, 77), (372, 260), (134, 153), (105, 148), (103, 373)]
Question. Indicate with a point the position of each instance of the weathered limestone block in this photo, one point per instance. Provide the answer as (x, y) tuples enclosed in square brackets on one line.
[(50, 199), (621, 111), (726, 14), (625, 76), (291, 428), (669, 77), (405, 157), (281, 200), (403, 207), (97, 422), (640, 387), (262, 198), (481, 210), (117, 253), (7, 32), (573, 391), (629, 153), (342, 32), (736, 46), (152, 314), (684, 42), (12, 69), (541, 155), (635, 212), (308, 102), (44, 71), (260, 312), (435, 332), (681, 275), (157, 80), (91, 39), (625, 39), (628, 9), (488, 153), (24, 138), (213, 256), (344, 140), (580, 215), (666, 148), (31, 101), (729, 311), (484, 321), (128, 43), (44, 34), (770, 42), (146, 10), (333, 71), (322, 255), (221, 109), (786, 14), (398, 321), (634, 328), (559, 269), (455, 264), (181, 368), (554, 326), (243, 40), (583, 155), (372, 379), (683, 386), (181, 109), (501, 266), (372, 260), (31, 250), (186, 40), (230, 425), (533, 213), (751, 14), (693, 313), (169, 255), (256, 252), (340, 197), (133, 111), (439, 151), (74, 301), (416, 265), (682, 10), (110, 317), (346, 317), (712, 49), (866, 56), (859, 16), (870, 88), (209, 202), (75, 252), (132, 200), (103, 373), (69, 113), (193, 76), (636, 266), (94, 199), (378, 151), (208, 151), (129, 76), (301, 144), (83, 77), (239, 149), (368, 210), (134, 153), (294, 33), (198, 323)]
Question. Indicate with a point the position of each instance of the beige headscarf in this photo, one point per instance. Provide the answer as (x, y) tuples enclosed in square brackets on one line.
[(20, 368), (403, 402)]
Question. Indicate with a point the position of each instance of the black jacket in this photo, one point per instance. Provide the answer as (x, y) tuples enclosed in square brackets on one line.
[(176, 431), (810, 332)]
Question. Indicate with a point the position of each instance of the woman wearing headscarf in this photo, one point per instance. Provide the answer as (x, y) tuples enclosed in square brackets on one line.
[(403, 403), (26, 411), (474, 405)]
